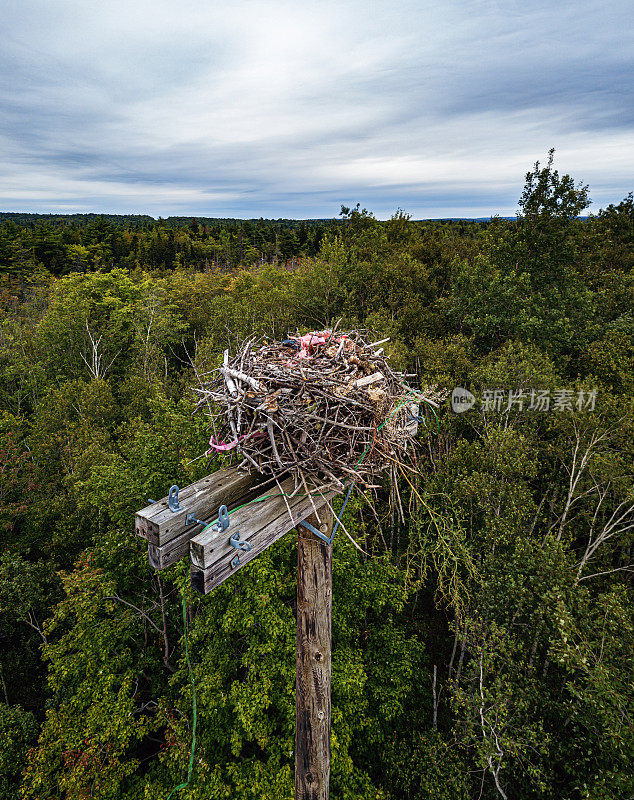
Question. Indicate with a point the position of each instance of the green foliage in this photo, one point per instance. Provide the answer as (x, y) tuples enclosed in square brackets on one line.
[(547, 196), (438, 551), (95, 676), (17, 475), (482, 640), (17, 731)]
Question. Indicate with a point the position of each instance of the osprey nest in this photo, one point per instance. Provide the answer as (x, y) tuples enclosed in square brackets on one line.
[(323, 406)]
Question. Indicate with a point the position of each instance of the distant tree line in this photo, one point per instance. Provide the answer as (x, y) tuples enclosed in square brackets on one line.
[(62, 244)]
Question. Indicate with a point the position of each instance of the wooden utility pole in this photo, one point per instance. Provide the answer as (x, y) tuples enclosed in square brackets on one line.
[(314, 645)]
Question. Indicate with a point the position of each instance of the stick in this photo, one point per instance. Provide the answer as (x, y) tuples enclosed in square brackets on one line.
[(229, 373), (269, 427), (233, 389)]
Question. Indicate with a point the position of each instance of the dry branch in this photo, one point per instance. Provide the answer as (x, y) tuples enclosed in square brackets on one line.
[(324, 406)]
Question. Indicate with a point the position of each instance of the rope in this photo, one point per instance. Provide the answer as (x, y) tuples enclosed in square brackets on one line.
[(433, 412), (261, 499), (343, 508), (385, 421), (195, 710)]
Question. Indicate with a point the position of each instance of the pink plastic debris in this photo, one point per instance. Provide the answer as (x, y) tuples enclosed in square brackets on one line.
[(310, 340), (222, 447)]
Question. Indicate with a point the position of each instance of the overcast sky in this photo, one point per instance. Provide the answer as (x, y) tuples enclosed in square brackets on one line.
[(289, 109)]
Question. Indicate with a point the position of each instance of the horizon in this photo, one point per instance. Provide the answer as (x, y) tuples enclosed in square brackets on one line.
[(254, 219)]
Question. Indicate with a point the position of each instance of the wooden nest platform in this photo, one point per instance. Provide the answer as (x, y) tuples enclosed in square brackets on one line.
[(324, 407)]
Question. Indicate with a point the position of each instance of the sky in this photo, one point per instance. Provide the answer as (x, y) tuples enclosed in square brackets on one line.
[(291, 109)]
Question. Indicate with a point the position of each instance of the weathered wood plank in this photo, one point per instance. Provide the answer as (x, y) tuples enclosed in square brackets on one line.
[(207, 547), (312, 684), (260, 524), (170, 553), (159, 525)]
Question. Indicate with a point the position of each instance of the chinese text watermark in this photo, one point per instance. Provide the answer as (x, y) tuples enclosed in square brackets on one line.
[(524, 400)]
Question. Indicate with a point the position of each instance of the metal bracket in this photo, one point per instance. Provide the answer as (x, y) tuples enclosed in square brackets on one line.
[(190, 519), (221, 524), (172, 499), (243, 547), (235, 541), (223, 518), (319, 534), (313, 529)]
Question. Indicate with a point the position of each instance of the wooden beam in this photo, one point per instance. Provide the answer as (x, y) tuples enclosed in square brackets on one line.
[(175, 549), (170, 553), (260, 524), (159, 525), (314, 646)]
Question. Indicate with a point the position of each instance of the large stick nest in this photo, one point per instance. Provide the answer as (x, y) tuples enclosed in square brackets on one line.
[(324, 406)]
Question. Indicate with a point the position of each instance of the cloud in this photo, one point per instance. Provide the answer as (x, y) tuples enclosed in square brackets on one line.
[(285, 109)]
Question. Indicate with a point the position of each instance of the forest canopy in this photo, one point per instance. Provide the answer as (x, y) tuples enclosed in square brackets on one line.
[(482, 647)]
